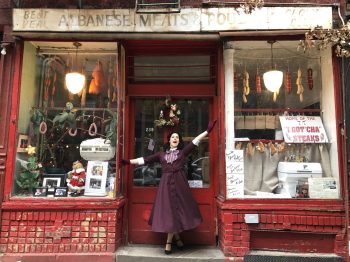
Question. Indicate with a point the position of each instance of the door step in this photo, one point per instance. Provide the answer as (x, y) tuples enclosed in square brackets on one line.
[(148, 253), (272, 256)]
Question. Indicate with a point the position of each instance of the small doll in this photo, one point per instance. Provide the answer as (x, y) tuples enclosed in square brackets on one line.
[(76, 179)]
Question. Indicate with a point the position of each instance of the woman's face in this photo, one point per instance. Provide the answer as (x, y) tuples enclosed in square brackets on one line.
[(174, 140)]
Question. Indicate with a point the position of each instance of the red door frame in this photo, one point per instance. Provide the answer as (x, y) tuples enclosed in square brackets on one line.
[(176, 91)]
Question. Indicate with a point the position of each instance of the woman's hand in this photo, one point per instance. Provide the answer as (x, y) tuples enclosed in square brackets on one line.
[(211, 126), (124, 162)]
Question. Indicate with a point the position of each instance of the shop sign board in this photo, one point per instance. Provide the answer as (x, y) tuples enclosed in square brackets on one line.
[(303, 129), (188, 20), (234, 173)]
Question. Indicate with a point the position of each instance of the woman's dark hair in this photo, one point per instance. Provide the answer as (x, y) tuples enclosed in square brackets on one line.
[(180, 145)]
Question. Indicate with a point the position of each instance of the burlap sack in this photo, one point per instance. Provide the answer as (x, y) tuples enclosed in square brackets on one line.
[(270, 122), (249, 122), (239, 122), (260, 122)]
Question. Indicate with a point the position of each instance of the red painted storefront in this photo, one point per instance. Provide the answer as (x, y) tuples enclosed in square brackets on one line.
[(87, 229)]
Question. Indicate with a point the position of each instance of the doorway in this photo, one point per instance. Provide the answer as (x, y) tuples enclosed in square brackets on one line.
[(144, 180), (185, 75)]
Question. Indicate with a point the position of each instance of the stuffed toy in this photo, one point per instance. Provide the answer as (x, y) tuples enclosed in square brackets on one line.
[(76, 179)]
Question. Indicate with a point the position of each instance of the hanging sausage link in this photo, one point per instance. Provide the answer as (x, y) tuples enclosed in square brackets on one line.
[(310, 80), (288, 82)]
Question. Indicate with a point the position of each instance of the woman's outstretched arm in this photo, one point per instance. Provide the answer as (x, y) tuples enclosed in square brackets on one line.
[(210, 127)]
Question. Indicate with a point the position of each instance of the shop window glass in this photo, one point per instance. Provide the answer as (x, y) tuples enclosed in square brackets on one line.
[(150, 139), (280, 137), (66, 142), (178, 68)]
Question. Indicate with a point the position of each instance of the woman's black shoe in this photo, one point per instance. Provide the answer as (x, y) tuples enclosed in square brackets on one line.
[(167, 251), (179, 244)]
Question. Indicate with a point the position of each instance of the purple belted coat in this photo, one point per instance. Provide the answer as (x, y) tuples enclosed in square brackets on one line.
[(174, 209)]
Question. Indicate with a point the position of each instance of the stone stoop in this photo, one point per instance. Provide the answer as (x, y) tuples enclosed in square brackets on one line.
[(147, 253), (272, 256)]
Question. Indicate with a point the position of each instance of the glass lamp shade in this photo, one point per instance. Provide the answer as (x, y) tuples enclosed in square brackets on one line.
[(273, 80), (75, 82)]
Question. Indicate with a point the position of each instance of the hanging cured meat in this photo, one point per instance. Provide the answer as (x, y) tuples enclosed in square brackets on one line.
[(246, 87), (258, 83), (288, 82), (300, 87), (310, 80), (235, 82), (97, 82)]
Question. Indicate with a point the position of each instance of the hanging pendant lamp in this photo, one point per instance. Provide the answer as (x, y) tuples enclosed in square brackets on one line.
[(273, 79), (74, 80)]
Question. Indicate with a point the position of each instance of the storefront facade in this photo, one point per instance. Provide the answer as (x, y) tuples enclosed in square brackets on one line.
[(271, 176)]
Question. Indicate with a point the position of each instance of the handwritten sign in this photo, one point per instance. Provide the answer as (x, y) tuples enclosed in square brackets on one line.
[(234, 173), (303, 129)]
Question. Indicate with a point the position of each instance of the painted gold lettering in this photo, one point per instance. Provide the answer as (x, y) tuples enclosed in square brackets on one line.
[(118, 20), (166, 20), (184, 19), (90, 21), (126, 20), (145, 20), (175, 19), (81, 20), (156, 19), (26, 14), (32, 15), (221, 18), (109, 20), (99, 20), (211, 18), (63, 20)]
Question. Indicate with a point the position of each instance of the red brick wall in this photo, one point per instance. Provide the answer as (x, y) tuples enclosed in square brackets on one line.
[(235, 234), (60, 232)]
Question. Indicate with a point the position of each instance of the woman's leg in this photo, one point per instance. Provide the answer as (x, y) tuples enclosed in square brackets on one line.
[(179, 242), (168, 243)]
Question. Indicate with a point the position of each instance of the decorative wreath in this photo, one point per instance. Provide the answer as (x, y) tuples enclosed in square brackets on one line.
[(169, 114)]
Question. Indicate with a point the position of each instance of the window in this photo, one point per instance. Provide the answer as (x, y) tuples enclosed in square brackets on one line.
[(281, 138), (64, 138)]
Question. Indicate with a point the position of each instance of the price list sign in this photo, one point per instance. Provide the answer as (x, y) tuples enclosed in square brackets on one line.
[(234, 173)]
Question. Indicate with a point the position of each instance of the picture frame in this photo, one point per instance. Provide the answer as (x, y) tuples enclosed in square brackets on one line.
[(23, 143), (63, 177), (96, 178), (60, 192), (40, 191), (51, 182)]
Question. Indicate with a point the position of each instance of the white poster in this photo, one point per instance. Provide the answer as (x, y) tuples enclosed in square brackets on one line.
[(96, 178), (303, 129), (323, 187), (234, 173)]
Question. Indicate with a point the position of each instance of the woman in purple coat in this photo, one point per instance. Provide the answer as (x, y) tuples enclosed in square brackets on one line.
[(174, 209)]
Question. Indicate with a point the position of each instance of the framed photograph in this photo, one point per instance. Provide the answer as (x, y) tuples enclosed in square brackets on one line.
[(60, 192), (23, 143), (62, 177), (40, 191), (96, 178), (51, 182)]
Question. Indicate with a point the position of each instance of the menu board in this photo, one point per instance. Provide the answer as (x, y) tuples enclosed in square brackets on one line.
[(234, 173)]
